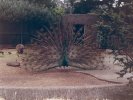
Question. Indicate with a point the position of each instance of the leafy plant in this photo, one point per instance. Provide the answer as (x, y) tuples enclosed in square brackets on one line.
[(25, 12), (110, 24)]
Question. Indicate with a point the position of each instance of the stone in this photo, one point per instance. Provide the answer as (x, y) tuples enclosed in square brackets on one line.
[(2, 98), (13, 64), (2, 52), (20, 48), (109, 51)]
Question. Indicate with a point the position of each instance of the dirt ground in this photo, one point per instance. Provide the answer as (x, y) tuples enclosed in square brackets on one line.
[(10, 76), (13, 76), (17, 84)]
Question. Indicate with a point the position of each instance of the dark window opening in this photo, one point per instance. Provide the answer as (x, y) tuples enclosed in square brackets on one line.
[(78, 30)]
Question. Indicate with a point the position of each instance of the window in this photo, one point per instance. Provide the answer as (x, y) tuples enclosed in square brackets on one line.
[(78, 31)]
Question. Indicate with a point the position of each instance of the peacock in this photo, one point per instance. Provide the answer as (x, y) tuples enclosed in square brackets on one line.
[(61, 47)]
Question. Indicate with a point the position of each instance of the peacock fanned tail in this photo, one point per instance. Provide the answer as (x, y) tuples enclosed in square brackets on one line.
[(59, 48)]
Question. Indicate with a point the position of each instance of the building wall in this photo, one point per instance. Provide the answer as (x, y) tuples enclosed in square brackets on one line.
[(86, 20), (10, 33)]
